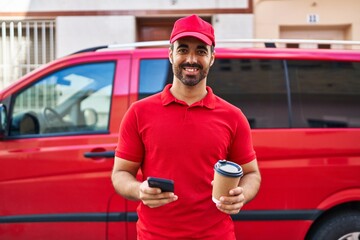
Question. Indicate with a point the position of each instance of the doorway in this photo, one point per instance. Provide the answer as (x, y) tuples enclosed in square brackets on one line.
[(314, 33)]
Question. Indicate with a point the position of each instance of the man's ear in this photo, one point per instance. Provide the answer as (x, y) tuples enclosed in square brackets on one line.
[(212, 59), (170, 56)]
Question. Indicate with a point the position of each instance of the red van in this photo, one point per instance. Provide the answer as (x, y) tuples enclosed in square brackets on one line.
[(59, 126)]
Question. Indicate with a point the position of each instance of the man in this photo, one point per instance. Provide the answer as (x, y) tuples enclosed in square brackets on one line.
[(180, 134)]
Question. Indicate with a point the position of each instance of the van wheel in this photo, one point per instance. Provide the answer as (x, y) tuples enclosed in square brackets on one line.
[(341, 226)]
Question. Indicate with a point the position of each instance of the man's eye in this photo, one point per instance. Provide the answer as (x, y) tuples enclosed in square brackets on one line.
[(202, 52), (182, 50)]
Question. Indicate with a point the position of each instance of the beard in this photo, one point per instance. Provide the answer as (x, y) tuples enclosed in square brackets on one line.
[(190, 80)]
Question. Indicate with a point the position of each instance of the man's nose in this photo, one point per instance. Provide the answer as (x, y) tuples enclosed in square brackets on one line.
[(191, 58)]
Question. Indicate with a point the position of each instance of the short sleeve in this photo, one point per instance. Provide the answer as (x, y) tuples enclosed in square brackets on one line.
[(241, 148), (130, 146)]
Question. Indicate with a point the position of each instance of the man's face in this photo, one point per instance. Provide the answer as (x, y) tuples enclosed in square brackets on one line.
[(191, 59)]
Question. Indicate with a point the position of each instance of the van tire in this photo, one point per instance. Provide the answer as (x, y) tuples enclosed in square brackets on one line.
[(338, 226)]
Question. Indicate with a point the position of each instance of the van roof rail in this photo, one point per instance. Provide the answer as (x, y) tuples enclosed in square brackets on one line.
[(266, 42), (317, 41)]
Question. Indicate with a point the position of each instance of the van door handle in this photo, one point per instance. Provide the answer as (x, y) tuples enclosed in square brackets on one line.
[(105, 154)]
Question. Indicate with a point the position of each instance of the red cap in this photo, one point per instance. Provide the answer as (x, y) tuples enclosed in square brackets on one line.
[(193, 26)]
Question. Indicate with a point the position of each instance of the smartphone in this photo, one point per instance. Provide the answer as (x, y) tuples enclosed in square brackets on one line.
[(166, 185)]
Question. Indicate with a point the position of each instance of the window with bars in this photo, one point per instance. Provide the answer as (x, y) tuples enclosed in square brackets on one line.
[(24, 46)]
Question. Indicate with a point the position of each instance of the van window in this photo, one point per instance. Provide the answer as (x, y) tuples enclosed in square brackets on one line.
[(154, 75), (325, 94), (256, 86), (75, 99)]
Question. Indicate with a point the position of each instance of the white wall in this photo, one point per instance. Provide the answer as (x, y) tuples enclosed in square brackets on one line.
[(233, 26), (76, 33), (69, 5)]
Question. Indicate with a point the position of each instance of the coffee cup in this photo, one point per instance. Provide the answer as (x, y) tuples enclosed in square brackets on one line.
[(226, 177)]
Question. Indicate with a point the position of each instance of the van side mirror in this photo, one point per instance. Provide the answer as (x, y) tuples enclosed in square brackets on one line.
[(3, 120)]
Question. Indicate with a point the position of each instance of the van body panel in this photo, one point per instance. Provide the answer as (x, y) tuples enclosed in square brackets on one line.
[(55, 164)]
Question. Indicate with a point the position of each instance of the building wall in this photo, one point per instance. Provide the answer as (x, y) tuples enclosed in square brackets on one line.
[(76, 33), (273, 17), (233, 26), (82, 24), (66, 5)]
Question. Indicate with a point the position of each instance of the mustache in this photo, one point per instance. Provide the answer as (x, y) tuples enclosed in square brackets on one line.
[(194, 65)]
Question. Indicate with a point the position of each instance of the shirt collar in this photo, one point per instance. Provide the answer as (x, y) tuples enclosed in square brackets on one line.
[(208, 101)]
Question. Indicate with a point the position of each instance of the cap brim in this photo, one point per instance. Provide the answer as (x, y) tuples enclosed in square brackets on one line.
[(197, 35)]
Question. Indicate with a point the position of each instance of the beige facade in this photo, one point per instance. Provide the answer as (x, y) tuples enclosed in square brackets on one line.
[(307, 19)]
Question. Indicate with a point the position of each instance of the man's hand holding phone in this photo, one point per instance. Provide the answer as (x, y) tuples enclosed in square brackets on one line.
[(165, 185), (156, 192)]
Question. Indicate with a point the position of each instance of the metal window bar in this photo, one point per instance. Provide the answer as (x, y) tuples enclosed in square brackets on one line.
[(3, 51), (24, 46)]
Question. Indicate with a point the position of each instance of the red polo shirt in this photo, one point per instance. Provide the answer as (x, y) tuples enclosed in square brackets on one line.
[(181, 142)]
